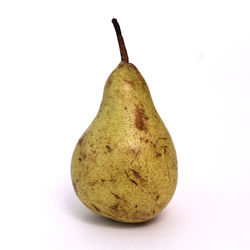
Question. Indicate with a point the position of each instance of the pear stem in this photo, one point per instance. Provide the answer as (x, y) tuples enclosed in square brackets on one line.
[(123, 51)]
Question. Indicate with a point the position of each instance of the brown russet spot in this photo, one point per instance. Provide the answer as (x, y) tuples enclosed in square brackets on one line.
[(157, 197), (96, 208), (80, 141), (133, 182), (130, 178), (126, 173), (136, 174), (92, 183), (79, 159), (120, 66), (158, 154), (116, 195), (136, 206), (114, 207), (74, 186), (135, 157), (108, 84), (111, 180), (108, 148), (130, 83), (125, 108), (139, 118), (146, 140)]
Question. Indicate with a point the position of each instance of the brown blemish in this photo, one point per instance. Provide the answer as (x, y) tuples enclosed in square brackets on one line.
[(146, 118), (120, 66), (158, 154), (135, 157), (136, 174), (153, 211), (139, 118), (114, 207), (133, 181), (93, 183), (136, 206), (125, 108), (130, 83), (130, 179), (146, 140), (100, 211), (80, 141), (157, 197), (116, 196), (126, 173), (74, 186), (108, 148), (79, 159), (109, 82), (96, 208), (84, 156), (112, 180)]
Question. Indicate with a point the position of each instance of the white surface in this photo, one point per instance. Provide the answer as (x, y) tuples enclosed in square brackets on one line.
[(54, 59)]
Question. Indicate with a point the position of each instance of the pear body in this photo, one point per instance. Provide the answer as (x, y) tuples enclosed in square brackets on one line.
[(124, 166)]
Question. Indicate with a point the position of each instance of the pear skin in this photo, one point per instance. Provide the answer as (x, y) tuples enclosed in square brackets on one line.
[(124, 166)]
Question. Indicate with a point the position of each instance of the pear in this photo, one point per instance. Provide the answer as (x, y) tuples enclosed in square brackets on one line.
[(124, 166)]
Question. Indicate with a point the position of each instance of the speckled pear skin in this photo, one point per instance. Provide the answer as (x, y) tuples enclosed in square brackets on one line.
[(124, 166)]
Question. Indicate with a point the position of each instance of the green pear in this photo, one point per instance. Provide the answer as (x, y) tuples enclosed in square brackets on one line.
[(124, 166)]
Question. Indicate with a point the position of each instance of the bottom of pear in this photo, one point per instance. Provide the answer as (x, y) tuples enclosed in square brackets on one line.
[(130, 219), (126, 220)]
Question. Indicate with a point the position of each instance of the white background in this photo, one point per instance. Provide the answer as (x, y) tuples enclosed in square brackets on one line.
[(55, 57)]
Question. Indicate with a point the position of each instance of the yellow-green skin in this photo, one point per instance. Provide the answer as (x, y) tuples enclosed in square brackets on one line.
[(124, 166)]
